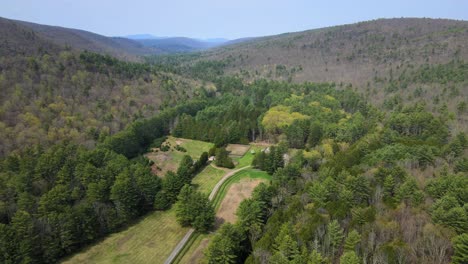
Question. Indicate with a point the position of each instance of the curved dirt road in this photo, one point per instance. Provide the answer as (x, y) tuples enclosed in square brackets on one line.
[(187, 236)]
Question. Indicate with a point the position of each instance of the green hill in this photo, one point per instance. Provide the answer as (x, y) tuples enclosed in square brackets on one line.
[(387, 60)]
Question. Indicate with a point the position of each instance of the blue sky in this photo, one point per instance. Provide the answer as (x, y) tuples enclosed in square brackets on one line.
[(217, 18)]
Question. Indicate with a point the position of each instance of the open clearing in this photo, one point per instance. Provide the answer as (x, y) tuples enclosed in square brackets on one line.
[(165, 161), (247, 159), (237, 149), (149, 241), (235, 195), (207, 179)]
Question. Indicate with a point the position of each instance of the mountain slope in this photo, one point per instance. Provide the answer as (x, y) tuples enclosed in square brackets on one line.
[(331, 54), (83, 40), (406, 59), (18, 39)]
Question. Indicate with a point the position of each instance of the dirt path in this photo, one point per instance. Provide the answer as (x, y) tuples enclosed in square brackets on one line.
[(187, 236)]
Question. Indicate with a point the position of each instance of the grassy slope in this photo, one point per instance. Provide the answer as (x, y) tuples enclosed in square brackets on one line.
[(207, 179), (149, 241), (246, 160), (194, 245), (170, 160)]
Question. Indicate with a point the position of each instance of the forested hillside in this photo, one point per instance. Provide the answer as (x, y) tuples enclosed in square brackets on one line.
[(362, 188), (368, 160), (389, 61), (80, 97), (41, 37)]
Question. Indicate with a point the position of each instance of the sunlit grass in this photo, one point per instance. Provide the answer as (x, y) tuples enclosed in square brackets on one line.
[(149, 241)]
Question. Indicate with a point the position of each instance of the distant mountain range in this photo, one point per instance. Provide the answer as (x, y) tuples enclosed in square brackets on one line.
[(176, 44), (28, 38), (149, 36), (180, 44)]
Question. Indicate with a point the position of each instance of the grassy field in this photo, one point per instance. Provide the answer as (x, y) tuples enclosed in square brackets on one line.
[(246, 160), (207, 179), (170, 160), (149, 241), (194, 249)]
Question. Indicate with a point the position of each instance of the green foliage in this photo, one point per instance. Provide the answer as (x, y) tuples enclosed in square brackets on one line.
[(349, 257), (229, 120), (194, 208), (352, 240), (226, 246), (286, 246), (334, 234), (124, 194), (417, 124), (162, 201), (158, 142), (76, 195), (448, 211), (453, 185), (222, 158), (269, 160), (250, 213), (460, 246)]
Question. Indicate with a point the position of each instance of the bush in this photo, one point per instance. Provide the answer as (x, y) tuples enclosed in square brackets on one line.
[(158, 142), (165, 148), (180, 148)]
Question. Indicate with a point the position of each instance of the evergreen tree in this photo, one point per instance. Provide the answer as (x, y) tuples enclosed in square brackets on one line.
[(389, 189), (349, 257), (195, 209), (352, 240), (125, 195), (259, 160), (147, 184), (285, 245), (223, 159), (226, 246), (315, 134), (335, 235), (316, 258), (249, 213), (460, 248), (24, 236), (161, 201)]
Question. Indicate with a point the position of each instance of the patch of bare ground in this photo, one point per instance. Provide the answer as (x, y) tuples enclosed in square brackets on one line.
[(261, 143), (163, 162), (237, 149), (236, 194)]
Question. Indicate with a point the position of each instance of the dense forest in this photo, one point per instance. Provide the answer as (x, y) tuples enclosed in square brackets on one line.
[(81, 97), (354, 180), (363, 187)]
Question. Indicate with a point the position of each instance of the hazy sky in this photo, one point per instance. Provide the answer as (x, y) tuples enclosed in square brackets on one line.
[(217, 18)]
